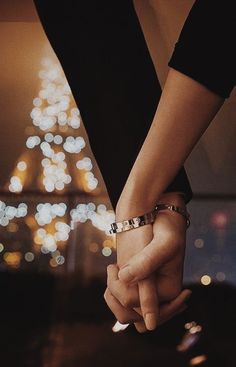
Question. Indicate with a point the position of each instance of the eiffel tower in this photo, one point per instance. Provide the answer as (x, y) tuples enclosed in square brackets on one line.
[(52, 189)]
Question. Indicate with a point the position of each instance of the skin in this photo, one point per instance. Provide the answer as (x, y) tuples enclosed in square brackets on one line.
[(151, 296), (152, 256)]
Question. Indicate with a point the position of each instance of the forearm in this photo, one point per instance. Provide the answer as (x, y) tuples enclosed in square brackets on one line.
[(185, 110)]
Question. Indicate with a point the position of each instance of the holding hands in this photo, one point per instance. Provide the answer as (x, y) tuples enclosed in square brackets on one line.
[(145, 286)]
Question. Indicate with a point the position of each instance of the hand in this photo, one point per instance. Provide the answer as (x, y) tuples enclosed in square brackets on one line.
[(161, 278), (128, 315)]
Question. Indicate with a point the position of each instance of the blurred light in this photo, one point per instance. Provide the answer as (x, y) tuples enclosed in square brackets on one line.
[(206, 280), (60, 260), (119, 327), (29, 256), (15, 184), (195, 329), (108, 243), (74, 145), (101, 219), (47, 212), (37, 102), (53, 263), (12, 227), (1, 247), (199, 243), (93, 247), (12, 259), (106, 251), (220, 219), (190, 338), (195, 361), (220, 276), (9, 212), (58, 139), (33, 141), (21, 166), (85, 164), (49, 137)]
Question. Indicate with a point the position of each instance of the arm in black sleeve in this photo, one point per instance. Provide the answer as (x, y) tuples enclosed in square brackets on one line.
[(205, 50), (105, 58)]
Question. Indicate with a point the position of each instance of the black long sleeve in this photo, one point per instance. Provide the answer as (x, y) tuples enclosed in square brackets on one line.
[(105, 58)]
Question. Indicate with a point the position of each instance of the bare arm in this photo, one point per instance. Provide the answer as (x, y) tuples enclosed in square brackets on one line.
[(185, 110)]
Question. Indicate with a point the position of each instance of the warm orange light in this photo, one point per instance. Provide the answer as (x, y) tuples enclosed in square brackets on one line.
[(12, 259), (197, 360)]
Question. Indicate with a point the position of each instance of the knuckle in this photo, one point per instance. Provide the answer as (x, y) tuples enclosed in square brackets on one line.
[(106, 295), (110, 267), (127, 302)]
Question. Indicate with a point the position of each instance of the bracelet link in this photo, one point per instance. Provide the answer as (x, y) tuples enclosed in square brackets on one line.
[(147, 218)]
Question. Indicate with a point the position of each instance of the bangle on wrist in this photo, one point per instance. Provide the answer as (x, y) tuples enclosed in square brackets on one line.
[(147, 218)]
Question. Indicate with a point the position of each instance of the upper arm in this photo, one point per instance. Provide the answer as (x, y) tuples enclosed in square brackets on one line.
[(205, 49)]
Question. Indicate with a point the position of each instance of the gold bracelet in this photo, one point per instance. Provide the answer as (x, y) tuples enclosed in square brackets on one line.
[(147, 218)]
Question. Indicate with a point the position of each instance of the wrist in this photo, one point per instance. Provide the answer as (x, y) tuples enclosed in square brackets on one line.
[(127, 208), (174, 198)]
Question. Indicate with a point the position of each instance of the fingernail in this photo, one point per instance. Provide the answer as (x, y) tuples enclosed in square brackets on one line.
[(150, 321), (125, 275)]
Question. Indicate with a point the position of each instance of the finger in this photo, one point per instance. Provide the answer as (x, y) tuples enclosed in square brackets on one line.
[(141, 265), (167, 310), (128, 296), (170, 309), (122, 314), (140, 326), (149, 302)]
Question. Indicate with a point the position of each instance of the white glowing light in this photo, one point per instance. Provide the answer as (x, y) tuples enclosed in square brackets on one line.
[(32, 141), (119, 327), (85, 164), (101, 219), (37, 102), (74, 145), (49, 137), (58, 139), (41, 232), (55, 176), (106, 251), (29, 256), (92, 182), (15, 184), (60, 260), (8, 212), (49, 242), (74, 122), (75, 112), (47, 212), (21, 166)]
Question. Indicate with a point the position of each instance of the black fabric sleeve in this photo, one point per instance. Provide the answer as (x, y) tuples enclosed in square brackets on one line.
[(205, 50), (102, 50)]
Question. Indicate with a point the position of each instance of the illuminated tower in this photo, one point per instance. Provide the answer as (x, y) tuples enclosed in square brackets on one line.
[(51, 176)]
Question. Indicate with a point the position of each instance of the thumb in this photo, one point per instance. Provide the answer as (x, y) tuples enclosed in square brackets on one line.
[(144, 263)]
